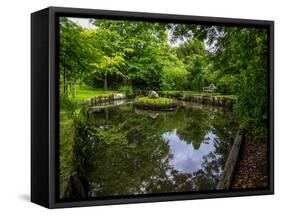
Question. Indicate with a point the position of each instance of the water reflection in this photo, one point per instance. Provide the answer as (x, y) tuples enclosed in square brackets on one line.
[(129, 151), (186, 158)]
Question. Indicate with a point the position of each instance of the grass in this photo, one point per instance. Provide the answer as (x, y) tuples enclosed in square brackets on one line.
[(86, 94), (159, 100), (194, 93), (66, 143)]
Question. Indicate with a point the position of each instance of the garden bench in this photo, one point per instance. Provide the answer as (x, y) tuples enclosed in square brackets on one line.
[(211, 88)]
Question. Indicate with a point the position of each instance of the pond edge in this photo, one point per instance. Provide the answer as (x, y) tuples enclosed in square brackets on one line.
[(230, 164)]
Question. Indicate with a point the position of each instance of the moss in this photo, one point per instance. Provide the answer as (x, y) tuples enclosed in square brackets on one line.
[(159, 100), (160, 103)]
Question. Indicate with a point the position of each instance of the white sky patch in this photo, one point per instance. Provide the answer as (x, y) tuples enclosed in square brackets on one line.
[(186, 159), (83, 22), (174, 43), (210, 48)]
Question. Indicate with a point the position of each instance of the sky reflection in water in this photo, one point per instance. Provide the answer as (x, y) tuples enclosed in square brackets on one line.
[(186, 158)]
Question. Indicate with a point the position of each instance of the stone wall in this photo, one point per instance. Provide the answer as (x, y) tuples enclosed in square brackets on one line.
[(101, 99), (210, 100)]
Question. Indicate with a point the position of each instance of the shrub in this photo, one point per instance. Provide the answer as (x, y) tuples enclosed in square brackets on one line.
[(138, 91), (127, 90), (68, 104)]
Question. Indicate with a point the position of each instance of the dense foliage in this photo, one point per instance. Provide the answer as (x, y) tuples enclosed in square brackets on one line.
[(135, 56)]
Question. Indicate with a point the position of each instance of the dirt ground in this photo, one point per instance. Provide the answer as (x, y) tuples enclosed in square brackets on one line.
[(251, 170)]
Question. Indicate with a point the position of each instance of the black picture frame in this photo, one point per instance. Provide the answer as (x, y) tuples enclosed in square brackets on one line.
[(45, 97)]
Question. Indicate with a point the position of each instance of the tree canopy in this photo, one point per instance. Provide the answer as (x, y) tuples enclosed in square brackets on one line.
[(165, 56)]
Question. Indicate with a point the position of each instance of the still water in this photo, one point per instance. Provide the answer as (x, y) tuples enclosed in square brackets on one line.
[(123, 150)]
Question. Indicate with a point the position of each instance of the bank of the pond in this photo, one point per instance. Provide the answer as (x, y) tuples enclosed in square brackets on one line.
[(230, 164), (94, 97), (214, 99), (66, 149), (92, 101), (251, 170)]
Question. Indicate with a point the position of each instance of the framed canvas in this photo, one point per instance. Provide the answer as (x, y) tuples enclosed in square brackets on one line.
[(139, 107)]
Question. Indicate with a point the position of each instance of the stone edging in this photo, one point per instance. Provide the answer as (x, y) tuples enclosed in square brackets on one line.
[(210, 100), (100, 99), (228, 171)]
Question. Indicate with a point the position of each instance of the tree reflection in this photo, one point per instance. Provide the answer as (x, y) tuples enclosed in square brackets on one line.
[(78, 181), (196, 127), (119, 151), (128, 157)]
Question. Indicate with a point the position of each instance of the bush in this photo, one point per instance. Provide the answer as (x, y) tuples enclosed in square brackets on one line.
[(68, 104), (138, 91), (127, 90)]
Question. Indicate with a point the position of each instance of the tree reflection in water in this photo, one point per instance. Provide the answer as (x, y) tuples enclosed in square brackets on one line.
[(124, 151)]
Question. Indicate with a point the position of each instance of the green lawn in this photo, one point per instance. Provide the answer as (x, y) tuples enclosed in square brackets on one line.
[(86, 94)]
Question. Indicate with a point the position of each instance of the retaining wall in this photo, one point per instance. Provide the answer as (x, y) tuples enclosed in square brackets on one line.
[(211, 100), (100, 99)]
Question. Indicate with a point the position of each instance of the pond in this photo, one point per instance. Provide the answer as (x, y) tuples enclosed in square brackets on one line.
[(122, 150)]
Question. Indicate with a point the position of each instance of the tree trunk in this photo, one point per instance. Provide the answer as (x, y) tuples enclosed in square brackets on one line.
[(64, 87), (70, 87), (74, 90), (64, 80), (105, 82)]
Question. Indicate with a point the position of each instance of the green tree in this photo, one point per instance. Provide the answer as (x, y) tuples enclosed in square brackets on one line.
[(145, 45), (239, 66), (73, 54), (197, 63)]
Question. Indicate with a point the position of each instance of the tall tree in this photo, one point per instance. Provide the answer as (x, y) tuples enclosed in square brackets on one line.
[(239, 58), (73, 53), (197, 62)]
